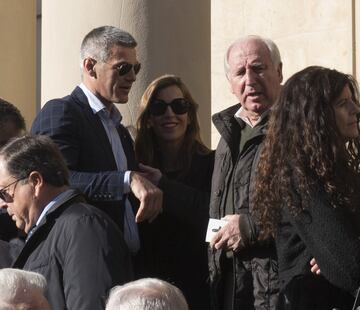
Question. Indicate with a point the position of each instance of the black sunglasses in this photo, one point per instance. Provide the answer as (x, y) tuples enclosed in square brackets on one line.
[(179, 106), (125, 68)]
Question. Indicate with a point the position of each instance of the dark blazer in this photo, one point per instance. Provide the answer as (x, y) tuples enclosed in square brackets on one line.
[(80, 252), (82, 140)]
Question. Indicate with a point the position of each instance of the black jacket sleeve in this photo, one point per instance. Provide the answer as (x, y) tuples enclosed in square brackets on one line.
[(185, 202)]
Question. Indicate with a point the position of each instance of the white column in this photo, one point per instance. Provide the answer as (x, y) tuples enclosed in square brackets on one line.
[(18, 55)]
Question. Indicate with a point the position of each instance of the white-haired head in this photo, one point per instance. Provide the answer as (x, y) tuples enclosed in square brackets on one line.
[(21, 289), (146, 294), (271, 46)]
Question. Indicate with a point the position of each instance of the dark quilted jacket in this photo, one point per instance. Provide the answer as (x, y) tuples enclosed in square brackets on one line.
[(255, 264)]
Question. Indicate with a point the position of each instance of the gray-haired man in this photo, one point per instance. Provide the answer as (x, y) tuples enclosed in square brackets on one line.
[(243, 270), (86, 127)]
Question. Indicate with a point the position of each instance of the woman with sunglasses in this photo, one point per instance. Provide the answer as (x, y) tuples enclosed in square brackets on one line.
[(307, 190), (171, 154)]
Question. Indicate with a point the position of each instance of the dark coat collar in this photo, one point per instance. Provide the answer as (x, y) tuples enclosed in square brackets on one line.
[(43, 229), (229, 127)]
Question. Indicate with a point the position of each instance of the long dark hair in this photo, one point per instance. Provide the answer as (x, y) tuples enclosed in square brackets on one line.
[(146, 144), (304, 145)]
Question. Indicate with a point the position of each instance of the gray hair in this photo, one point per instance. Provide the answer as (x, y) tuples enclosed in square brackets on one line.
[(146, 294), (271, 46), (16, 285), (99, 41)]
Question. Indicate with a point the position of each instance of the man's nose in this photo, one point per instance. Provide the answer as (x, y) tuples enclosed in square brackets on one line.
[(250, 77), (131, 76)]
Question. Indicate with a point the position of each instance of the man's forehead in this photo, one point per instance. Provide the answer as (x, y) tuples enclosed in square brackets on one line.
[(119, 52), (250, 50)]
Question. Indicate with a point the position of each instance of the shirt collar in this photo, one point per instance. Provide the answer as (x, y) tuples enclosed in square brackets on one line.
[(238, 114), (97, 106), (52, 203)]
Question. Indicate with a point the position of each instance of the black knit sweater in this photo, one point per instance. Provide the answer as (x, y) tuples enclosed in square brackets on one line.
[(329, 235)]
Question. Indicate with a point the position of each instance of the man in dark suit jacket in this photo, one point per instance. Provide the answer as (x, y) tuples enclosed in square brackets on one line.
[(86, 127), (76, 247)]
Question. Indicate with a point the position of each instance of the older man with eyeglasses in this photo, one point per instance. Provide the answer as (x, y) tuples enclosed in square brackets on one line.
[(75, 246), (97, 148)]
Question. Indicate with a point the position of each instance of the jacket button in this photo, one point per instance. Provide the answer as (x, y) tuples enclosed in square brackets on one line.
[(218, 193)]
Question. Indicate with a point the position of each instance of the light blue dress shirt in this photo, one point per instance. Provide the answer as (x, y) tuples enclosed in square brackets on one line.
[(110, 121)]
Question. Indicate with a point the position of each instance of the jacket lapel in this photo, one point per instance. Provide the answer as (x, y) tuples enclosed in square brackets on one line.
[(97, 128)]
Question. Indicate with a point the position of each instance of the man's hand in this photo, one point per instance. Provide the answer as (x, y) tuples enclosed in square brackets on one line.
[(149, 195), (315, 269), (152, 174), (228, 238)]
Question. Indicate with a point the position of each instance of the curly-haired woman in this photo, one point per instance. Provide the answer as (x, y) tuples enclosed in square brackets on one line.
[(169, 140), (308, 189)]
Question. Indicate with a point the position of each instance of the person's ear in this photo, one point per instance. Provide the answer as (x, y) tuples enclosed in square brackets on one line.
[(36, 180), (89, 66)]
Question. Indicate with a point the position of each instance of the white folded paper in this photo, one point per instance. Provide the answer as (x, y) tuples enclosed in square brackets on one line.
[(213, 227)]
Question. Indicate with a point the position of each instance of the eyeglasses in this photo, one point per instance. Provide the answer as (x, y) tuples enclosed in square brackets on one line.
[(4, 195), (179, 106), (125, 68)]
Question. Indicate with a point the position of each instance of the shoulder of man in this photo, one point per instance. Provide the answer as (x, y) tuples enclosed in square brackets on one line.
[(225, 114), (76, 96), (81, 213)]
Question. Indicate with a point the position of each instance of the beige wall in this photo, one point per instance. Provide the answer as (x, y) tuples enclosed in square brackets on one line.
[(356, 35), (18, 54), (173, 37), (320, 32)]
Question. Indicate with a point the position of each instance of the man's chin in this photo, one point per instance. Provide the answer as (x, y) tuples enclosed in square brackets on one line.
[(21, 226), (121, 100), (258, 107)]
